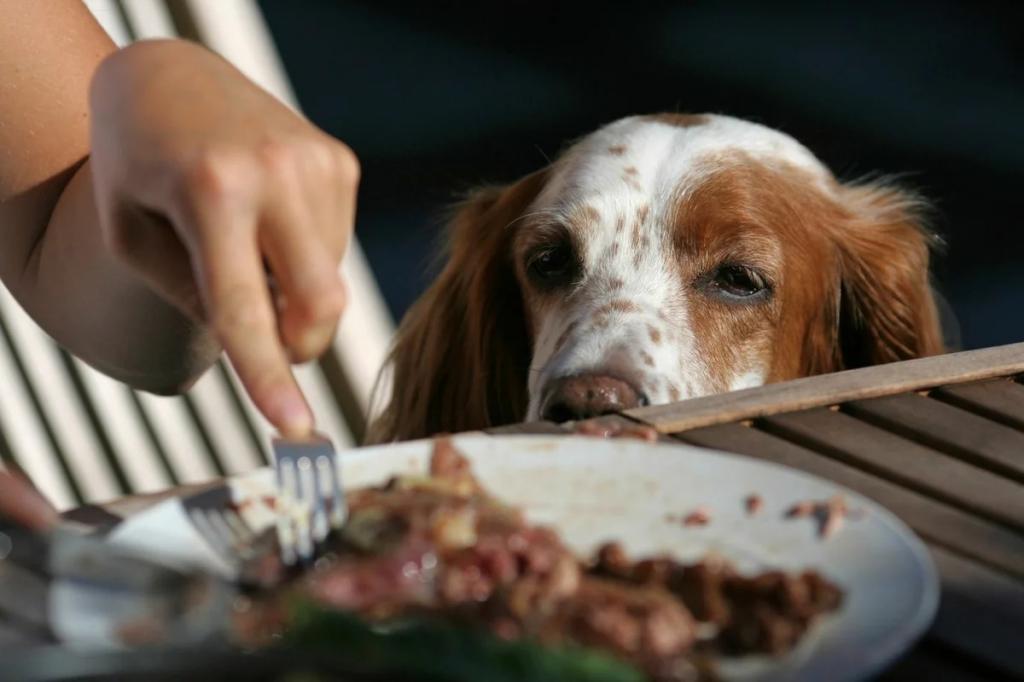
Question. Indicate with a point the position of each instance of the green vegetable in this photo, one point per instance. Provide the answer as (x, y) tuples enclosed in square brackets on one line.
[(431, 650)]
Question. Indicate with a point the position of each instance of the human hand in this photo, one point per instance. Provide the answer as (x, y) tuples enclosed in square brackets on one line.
[(202, 182), (23, 504)]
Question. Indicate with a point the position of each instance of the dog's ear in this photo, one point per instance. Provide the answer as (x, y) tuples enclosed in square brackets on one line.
[(462, 353), (887, 311)]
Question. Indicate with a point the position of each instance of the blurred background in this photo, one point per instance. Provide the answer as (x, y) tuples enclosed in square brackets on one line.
[(439, 97)]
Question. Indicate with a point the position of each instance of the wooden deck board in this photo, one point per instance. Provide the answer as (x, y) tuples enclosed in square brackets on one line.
[(937, 522), (903, 461), (1001, 400), (819, 391), (947, 428)]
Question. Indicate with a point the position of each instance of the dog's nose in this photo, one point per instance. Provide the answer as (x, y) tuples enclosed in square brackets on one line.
[(589, 395)]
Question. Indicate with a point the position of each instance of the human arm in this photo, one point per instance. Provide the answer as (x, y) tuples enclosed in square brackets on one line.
[(142, 251)]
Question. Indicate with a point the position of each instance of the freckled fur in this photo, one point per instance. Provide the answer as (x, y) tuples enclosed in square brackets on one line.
[(848, 262)]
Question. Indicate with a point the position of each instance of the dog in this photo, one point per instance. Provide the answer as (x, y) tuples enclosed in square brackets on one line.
[(660, 258)]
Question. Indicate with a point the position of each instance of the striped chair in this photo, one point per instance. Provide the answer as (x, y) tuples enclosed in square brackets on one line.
[(83, 437)]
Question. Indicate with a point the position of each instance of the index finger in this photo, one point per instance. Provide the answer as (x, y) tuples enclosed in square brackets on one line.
[(239, 307)]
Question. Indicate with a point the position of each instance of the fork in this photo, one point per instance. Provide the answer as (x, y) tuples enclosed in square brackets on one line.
[(310, 499), (226, 532)]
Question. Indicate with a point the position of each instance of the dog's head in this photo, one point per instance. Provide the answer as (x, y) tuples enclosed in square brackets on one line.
[(660, 258)]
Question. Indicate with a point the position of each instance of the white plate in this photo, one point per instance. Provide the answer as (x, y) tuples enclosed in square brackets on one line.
[(595, 490)]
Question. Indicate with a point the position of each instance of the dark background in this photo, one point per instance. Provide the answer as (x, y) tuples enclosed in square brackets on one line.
[(438, 97)]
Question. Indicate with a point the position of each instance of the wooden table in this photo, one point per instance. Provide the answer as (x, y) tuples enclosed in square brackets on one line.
[(939, 442)]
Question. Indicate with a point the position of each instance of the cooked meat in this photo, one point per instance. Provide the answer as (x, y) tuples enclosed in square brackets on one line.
[(767, 613), (700, 516), (441, 546)]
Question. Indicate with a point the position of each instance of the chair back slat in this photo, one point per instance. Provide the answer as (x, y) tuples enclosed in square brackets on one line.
[(58, 404), (130, 440), (32, 439)]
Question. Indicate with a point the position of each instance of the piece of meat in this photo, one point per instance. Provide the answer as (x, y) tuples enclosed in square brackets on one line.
[(638, 623), (767, 613), (700, 516), (602, 429), (441, 546)]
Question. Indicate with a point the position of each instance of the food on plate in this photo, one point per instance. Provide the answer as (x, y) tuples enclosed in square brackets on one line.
[(830, 514), (700, 516), (603, 428), (753, 503), (440, 549)]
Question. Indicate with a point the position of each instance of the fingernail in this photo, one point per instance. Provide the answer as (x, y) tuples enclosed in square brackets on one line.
[(292, 415)]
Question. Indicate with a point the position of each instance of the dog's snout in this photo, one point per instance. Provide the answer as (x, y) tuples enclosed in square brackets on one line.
[(588, 395)]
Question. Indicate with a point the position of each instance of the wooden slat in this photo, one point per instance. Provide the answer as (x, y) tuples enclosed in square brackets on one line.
[(1001, 400), (620, 421), (981, 613), (216, 409), (55, 398), (940, 523), (243, 412), (950, 429), (177, 435), (831, 389), (158, 449), (92, 416), (131, 442), (903, 461), (29, 431)]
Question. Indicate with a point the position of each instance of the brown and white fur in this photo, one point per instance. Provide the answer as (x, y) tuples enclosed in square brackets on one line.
[(659, 258)]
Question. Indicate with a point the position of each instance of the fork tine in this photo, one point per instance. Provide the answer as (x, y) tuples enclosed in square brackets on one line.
[(319, 528), (226, 533), (305, 495), (302, 519), (213, 537), (239, 529), (285, 513)]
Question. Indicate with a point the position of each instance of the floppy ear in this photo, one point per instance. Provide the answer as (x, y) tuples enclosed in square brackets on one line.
[(887, 311), (461, 354)]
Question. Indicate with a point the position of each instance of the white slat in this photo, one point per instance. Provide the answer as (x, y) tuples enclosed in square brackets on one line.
[(184, 447), (148, 19), (364, 335), (134, 449), (27, 436), (109, 17), (235, 29), (317, 391), (262, 427), (215, 405), (328, 415), (60, 401)]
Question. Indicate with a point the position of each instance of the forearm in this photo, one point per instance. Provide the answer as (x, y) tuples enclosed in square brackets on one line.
[(99, 309)]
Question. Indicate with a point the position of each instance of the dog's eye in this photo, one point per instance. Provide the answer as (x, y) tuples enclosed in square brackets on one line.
[(739, 282), (552, 265)]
